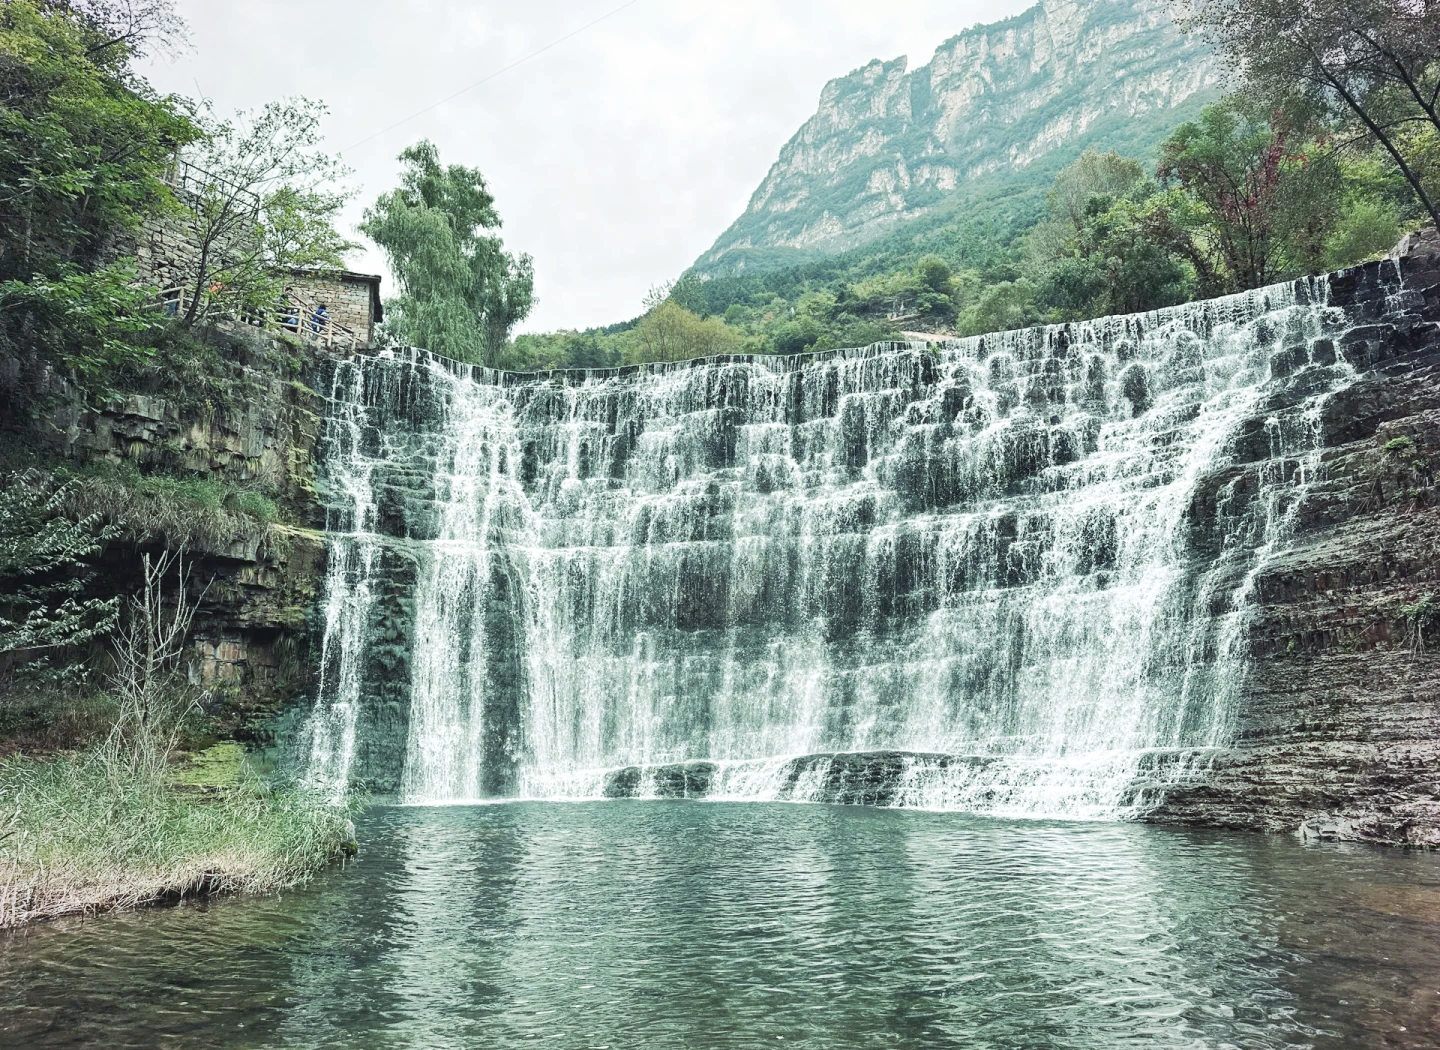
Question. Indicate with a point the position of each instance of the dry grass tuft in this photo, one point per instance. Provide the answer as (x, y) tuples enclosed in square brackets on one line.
[(80, 834)]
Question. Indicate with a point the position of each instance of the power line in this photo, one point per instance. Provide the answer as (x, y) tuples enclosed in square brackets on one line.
[(492, 76)]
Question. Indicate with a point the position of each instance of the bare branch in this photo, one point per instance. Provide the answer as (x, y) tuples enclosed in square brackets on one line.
[(154, 697)]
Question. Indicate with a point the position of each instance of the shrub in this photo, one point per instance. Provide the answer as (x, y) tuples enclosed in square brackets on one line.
[(262, 508)]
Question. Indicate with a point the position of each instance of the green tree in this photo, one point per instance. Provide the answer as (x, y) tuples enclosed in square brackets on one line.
[(1130, 256), (934, 274), (1055, 240), (84, 144), (461, 293), (669, 332), (264, 202), (1370, 64), (1368, 228), (83, 140), (999, 308), (566, 349), (935, 301), (1112, 243), (88, 322), (46, 564), (586, 350), (1268, 193), (1092, 175), (1239, 167), (795, 335)]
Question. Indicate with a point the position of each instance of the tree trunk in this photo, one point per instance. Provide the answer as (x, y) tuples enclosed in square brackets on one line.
[(1350, 100)]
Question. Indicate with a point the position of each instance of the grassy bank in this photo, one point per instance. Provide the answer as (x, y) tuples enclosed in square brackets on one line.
[(81, 834)]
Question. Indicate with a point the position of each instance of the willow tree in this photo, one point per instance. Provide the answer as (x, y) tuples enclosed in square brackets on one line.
[(461, 292)]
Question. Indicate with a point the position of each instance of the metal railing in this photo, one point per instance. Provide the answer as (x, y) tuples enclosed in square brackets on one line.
[(309, 321), (194, 180)]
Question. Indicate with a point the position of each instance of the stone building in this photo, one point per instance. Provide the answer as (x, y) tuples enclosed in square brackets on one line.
[(350, 299), (166, 249)]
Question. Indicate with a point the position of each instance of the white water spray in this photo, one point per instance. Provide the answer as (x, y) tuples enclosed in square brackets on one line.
[(1034, 550)]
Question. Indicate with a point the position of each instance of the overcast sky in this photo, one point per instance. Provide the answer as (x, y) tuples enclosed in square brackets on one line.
[(616, 157)]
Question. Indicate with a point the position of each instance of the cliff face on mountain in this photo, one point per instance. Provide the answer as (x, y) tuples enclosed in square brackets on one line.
[(995, 104)]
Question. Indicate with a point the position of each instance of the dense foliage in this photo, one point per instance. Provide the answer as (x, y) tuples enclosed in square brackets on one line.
[(89, 152), (84, 143), (461, 293), (93, 162), (1367, 67)]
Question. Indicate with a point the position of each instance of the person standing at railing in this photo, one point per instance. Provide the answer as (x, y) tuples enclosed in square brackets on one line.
[(289, 312), (320, 319)]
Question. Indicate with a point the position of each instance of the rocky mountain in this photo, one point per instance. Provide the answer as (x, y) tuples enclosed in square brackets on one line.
[(997, 105)]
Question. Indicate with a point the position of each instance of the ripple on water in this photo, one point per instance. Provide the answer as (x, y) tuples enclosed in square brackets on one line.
[(717, 925)]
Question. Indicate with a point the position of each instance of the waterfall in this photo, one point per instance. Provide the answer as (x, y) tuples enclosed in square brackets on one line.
[(348, 601), (1021, 562)]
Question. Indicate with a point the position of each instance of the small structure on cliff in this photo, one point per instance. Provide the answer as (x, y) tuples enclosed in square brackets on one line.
[(352, 300), (168, 250)]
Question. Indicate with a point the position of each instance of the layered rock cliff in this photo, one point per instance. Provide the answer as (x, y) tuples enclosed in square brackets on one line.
[(1340, 730), (241, 423), (888, 145)]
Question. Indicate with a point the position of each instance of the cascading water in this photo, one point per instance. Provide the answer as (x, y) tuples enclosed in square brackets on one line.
[(353, 545), (1020, 561)]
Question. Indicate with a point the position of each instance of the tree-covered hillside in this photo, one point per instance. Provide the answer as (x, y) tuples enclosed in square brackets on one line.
[(1243, 195)]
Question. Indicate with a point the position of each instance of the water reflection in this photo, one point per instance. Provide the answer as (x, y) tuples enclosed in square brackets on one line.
[(653, 924)]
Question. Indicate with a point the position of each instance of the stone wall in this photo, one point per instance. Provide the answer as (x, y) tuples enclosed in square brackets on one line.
[(349, 299), (166, 249)]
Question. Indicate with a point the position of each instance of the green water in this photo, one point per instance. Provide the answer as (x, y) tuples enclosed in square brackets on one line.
[(710, 925)]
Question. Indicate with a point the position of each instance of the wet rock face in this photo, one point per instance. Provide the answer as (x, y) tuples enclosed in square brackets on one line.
[(875, 778), (257, 430), (681, 780), (1172, 567), (1339, 734)]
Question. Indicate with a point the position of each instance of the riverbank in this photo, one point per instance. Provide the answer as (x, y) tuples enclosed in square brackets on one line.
[(80, 834)]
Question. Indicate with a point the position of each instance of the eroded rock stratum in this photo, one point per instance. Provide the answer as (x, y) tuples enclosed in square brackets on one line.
[(1177, 566)]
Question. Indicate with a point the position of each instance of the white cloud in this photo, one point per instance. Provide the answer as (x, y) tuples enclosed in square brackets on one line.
[(615, 157)]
